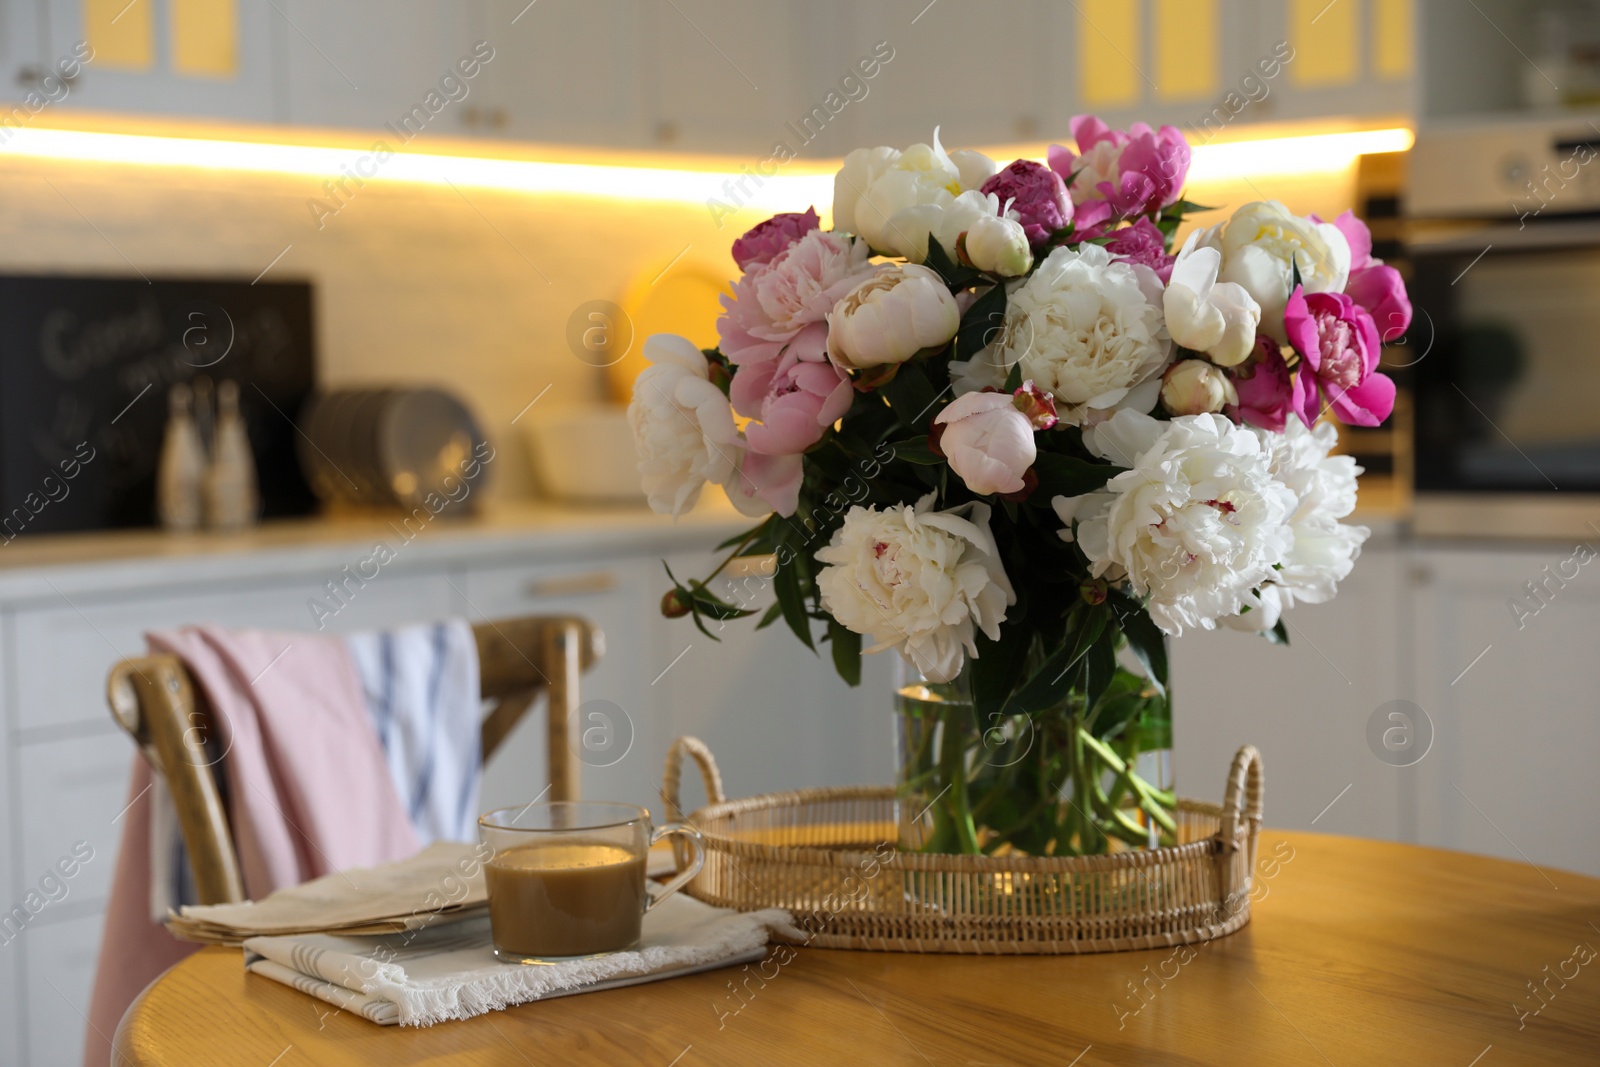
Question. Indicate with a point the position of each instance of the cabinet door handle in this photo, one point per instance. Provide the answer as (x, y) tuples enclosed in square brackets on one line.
[(573, 584)]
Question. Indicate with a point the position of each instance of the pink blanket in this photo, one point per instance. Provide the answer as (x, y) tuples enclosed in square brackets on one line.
[(309, 793)]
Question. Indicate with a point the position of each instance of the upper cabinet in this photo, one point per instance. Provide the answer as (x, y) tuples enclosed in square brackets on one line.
[(742, 78), (219, 59)]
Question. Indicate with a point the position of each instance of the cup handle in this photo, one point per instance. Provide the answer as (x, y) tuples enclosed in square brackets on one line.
[(684, 876)]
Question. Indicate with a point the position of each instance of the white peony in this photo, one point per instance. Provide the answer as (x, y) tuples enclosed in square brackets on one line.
[(997, 244), (895, 199), (923, 581), (682, 426), (1263, 244), (1086, 328), (890, 317), (1195, 524), (1216, 318), (1325, 549)]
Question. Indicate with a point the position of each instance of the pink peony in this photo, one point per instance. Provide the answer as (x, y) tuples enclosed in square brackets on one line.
[(1338, 345), (1142, 243), (792, 401), (775, 301), (1374, 284), (1120, 175), (1264, 388), (988, 441), (1038, 198), (773, 480), (763, 242)]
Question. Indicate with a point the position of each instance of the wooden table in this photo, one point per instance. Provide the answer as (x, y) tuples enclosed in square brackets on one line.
[(1358, 954)]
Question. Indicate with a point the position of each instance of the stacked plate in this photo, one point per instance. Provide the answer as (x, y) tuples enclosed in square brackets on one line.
[(392, 447)]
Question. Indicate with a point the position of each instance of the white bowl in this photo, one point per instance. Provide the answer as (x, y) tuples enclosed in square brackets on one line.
[(584, 454)]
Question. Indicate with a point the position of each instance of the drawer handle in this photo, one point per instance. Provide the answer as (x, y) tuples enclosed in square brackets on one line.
[(573, 584)]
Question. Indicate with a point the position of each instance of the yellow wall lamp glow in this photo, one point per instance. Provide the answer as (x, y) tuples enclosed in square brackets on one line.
[(1311, 154)]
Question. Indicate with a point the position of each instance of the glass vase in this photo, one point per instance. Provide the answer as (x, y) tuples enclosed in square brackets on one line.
[(1057, 781)]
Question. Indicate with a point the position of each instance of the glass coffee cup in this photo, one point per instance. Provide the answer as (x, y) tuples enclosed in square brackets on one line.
[(567, 879)]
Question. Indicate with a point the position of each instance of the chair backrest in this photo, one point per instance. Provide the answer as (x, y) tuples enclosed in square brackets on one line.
[(156, 701)]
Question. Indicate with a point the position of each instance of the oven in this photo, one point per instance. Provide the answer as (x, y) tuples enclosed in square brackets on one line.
[(1503, 250)]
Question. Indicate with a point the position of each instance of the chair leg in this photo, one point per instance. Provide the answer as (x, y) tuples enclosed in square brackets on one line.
[(563, 646)]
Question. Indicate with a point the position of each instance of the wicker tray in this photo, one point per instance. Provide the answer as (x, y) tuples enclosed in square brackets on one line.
[(829, 857)]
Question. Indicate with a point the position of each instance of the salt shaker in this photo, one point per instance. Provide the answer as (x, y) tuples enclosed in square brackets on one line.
[(232, 498), (182, 466)]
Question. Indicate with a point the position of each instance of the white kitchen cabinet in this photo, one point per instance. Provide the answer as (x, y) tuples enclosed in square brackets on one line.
[(74, 791), (140, 69), (728, 74), (1355, 58), (977, 69), (1512, 684), (618, 731), (775, 714), (387, 65), (570, 72), (1306, 707), (60, 957)]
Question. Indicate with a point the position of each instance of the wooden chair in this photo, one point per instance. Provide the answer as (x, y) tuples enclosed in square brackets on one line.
[(156, 701)]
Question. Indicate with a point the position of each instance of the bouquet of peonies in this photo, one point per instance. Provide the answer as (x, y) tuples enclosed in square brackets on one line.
[(992, 420)]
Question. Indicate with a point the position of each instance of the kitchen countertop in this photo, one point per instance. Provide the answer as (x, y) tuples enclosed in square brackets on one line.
[(52, 566)]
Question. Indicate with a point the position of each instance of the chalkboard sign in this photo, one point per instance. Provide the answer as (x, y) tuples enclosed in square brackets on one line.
[(85, 368)]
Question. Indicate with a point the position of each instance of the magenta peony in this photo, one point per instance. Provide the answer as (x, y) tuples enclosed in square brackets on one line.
[(1142, 243), (1339, 350), (1037, 195), (1120, 175), (1374, 284), (1264, 387), (764, 241)]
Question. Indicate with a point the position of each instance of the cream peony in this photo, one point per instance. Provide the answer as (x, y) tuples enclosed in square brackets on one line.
[(1195, 524), (890, 317), (682, 426), (895, 199), (1087, 329), (1263, 244), (1216, 318), (998, 245), (923, 581), (1195, 387)]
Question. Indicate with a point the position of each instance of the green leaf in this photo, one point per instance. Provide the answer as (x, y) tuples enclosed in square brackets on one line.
[(1054, 679), (913, 397), (954, 274), (1099, 667), (997, 667), (1145, 638), (1061, 475), (916, 450), (1279, 634), (752, 534), (771, 616), (981, 323), (791, 601), (1014, 379), (846, 652)]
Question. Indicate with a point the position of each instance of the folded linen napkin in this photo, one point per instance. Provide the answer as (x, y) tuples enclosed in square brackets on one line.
[(439, 973), (443, 881)]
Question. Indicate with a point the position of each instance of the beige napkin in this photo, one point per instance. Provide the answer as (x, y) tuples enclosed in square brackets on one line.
[(442, 883)]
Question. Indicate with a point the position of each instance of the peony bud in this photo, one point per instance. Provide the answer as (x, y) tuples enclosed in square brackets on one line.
[(890, 317), (997, 245), (1093, 591), (987, 442), (1195, 387), (674, 605)]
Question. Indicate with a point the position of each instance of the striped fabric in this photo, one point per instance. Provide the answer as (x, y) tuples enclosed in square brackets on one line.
[(422, 690)]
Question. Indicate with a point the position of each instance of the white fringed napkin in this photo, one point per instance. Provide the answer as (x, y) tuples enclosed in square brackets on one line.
[(449, 971)]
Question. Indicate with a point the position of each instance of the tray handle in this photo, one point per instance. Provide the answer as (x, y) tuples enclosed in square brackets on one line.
[(709, 774), (1241, 802)]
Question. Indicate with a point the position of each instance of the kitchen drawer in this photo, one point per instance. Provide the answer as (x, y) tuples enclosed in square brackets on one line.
[(58, 968), (62, 653), (72, 790), (622, 760)]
